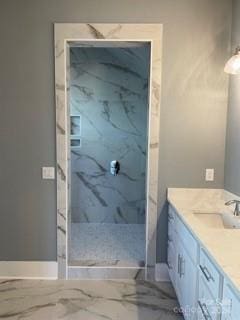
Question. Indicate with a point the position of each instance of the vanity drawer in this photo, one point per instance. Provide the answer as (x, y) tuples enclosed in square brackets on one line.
[(210, 273), (189, 242), (230, 303), (207, 308)]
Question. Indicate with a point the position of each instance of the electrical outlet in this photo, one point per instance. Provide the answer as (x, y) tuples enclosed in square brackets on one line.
[(48, 173), (209, 175)]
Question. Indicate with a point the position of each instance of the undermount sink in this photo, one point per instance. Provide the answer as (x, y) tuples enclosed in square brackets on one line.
[(218, 220)]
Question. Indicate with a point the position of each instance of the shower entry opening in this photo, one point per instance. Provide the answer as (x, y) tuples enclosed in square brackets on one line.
[(108, 107), (108, 91)]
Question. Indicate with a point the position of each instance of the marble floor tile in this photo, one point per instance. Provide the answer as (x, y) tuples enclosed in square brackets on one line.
[(87, 300), (105, 244)]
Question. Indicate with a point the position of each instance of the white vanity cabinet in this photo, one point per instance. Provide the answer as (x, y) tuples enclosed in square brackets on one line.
[(202, 290), (182, 264)]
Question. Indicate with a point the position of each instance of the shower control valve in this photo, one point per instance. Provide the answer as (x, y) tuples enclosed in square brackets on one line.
[(114, 167)]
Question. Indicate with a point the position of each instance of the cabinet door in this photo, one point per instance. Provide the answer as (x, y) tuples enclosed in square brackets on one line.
[(186, 283)]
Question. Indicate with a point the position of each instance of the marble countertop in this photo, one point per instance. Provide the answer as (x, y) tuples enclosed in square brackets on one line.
[(223, 245)]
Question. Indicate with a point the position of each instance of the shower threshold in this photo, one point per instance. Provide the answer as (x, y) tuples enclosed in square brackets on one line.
[(107, 245)]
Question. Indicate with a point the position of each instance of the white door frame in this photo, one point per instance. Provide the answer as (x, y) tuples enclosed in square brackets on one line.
[(68, 33)]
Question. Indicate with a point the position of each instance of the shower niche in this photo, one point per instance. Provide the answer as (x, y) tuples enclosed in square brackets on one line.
[(108, 110)]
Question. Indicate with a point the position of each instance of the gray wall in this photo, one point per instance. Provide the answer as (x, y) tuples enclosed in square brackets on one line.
[(109, 90), (193, 110), (232, 163)]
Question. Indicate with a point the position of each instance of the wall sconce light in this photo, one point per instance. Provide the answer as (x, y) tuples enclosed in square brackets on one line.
[(233, 64)]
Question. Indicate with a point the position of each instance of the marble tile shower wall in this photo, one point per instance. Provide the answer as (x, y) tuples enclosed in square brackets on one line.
[(109, 90)]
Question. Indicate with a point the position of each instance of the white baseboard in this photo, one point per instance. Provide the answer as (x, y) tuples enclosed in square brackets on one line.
[(161, 272), (29, 270)]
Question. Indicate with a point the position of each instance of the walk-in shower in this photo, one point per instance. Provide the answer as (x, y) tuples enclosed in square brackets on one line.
[(108, 142), (108, 89)]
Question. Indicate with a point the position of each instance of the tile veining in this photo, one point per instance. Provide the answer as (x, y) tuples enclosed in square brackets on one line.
[(88, 300), (109, 89)]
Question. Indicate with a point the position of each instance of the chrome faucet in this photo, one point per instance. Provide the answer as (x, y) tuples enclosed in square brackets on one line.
[(237, 206)]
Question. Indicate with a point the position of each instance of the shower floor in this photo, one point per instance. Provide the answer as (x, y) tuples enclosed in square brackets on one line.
[(107, 244)]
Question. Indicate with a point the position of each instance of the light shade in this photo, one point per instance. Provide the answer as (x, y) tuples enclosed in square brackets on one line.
[(233, 64)]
